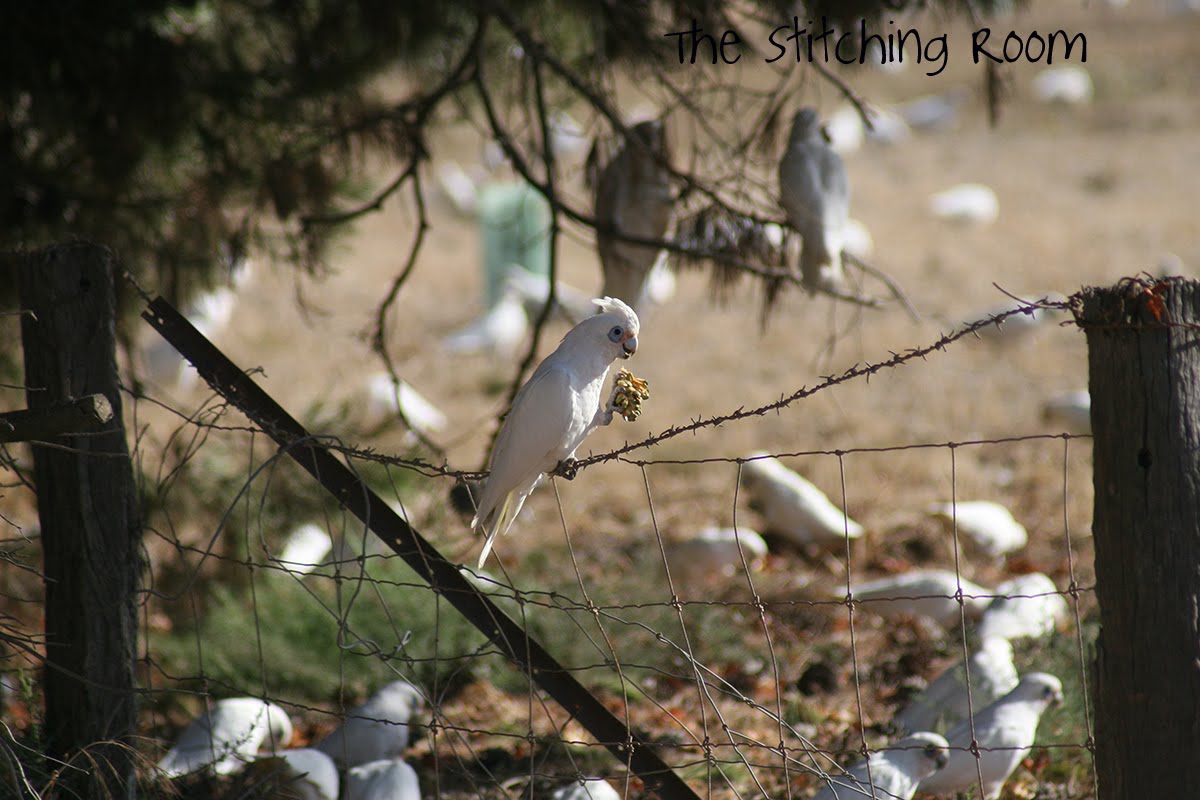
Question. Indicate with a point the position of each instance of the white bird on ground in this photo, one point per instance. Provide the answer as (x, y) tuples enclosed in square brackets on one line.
[(1068, 85), (571, 304), (1027, 606), (887, 127), (459, 187), (815, 194), (945, 700), (227, 736), (377, 729), (932, 111), (385, 779), (990, 527), (560, 404), (716, 552), (633, 196), (386, 397), (306, 548), (498, 332), (966, 203), (306, 773), (569, 138), (589, 789), (892, 773), (922, 593), (792, 506), (1005, 733), (1071, 410)]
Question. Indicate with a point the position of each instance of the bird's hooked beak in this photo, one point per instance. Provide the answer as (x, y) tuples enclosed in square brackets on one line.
[(628, 346)]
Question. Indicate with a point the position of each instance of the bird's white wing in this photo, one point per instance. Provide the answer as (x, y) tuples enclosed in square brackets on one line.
[(532, 440)]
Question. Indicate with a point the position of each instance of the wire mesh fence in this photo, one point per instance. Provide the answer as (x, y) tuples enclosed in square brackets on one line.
[(754, 665)]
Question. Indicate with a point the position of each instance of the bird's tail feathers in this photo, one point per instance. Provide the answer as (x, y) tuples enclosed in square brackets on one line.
[(501, 521)]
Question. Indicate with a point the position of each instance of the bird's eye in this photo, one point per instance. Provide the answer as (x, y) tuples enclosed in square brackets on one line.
[(615, 333), (931, 752)]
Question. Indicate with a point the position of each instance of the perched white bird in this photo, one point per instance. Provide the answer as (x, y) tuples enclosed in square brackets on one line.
[(633, 197), (945, 702), (715, 552), (306, 548), (306, 773), (560, 404), (1027, 606), (922, 593), (589, 789), (376, 729), (815, 194), (792, 506), (1068, 85), (385, 779), (386, 397), (499, 331), (858, 240), (1005, 732), (845, 129), (227, 736), (892, 773), (988, 526), (1071, 410), (966, 203)]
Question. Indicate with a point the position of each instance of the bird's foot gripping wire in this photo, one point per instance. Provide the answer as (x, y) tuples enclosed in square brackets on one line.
[(567, 469)]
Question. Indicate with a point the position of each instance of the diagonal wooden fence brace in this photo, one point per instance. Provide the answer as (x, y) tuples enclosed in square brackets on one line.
[(443, 576)]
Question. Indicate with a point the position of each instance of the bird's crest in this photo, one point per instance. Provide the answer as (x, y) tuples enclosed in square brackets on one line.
[(609, 304)]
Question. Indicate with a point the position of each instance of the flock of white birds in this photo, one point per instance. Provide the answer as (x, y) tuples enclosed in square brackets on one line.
[(974, 723)]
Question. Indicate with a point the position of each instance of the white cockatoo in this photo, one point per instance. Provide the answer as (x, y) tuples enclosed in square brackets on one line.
[(384, 779), (560, 404), (306, 548), (989, 526), (715, 552), (1027, 606), (945, 701), (634, 198), (228, 736), (499, 331), (1071, 410), (966, 203), (303, 774), (589, 789), (386, 397), (922, 593), (377, 729), (892, 773), (1068, 85), (1005, 733), (793, 507), (815, 195)]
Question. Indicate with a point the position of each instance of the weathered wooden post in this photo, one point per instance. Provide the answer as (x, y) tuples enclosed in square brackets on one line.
[(89, 519), (1144, 359)]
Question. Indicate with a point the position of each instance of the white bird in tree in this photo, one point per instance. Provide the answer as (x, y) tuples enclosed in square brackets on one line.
[(634, 198), (892, 773), (552, 414), (815, 194), (1005, 733)]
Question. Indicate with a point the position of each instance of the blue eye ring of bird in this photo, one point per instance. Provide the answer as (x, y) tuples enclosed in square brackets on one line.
[(629, 344)]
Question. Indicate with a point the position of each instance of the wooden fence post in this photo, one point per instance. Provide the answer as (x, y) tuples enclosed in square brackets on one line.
[(1144, 359), (89, 518)]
